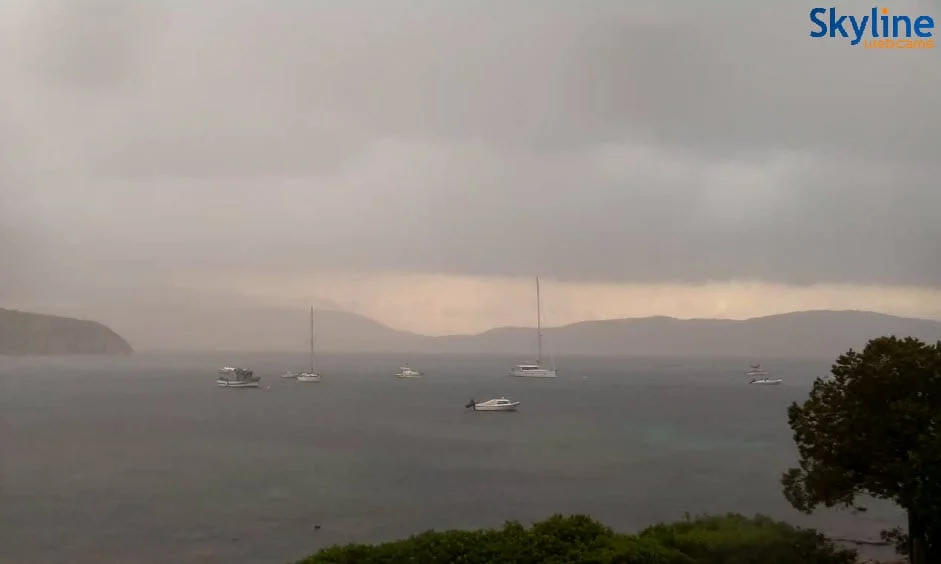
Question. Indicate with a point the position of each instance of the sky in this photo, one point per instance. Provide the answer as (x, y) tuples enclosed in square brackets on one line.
[(420, 162)]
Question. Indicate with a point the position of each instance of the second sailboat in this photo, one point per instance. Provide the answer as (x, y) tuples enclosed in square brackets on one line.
[(310, 375), (535, 370)]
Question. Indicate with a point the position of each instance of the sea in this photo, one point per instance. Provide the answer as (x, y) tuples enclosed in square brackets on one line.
[(144, 459)]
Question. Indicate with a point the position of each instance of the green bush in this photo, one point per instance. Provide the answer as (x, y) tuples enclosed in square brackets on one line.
[(729, 539), (734, 539)]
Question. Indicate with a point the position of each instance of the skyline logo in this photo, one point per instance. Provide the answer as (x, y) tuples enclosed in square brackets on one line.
[(877, 30)]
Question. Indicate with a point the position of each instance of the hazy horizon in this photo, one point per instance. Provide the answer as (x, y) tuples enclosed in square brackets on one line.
[(798, 335), (164, 163)]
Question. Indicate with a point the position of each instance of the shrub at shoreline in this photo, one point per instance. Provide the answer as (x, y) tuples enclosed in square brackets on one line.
[(578, 539)]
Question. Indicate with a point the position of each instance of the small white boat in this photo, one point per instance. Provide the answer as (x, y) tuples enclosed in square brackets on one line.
[(532, 371), (231, 377), (308, 377), (223, 383), (406, 372), (759, 376), (289, 374), (536, 369), (496, 404), (767, 381)]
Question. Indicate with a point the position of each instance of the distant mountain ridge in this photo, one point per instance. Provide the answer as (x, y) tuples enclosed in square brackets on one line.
[(23, 333), (808, 334)]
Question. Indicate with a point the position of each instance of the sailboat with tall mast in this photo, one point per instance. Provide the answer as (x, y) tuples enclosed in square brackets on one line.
[(310, 375), (536, 369)]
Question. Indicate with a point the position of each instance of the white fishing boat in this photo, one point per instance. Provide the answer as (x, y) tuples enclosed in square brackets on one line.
[(309, 375), (536, 369), (496, 404), (759, 376), (406, 372), (232, 377)]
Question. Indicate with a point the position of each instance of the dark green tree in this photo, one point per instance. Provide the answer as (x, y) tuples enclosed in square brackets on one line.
[(873, 428)]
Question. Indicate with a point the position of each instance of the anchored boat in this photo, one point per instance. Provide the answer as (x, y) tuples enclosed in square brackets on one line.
[(496, 404)]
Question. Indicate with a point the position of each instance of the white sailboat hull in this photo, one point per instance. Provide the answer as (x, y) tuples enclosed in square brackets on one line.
[(407, 376), (767, 382), (307, 377), (534, 373)]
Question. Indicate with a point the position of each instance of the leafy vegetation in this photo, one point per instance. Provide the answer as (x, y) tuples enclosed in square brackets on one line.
[(729, 539), (874, 429)]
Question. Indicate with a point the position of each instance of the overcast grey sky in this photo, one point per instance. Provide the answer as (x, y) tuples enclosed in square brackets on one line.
[(142, 143)]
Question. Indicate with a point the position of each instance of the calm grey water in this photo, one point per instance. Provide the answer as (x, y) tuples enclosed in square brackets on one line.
[(143, 459)]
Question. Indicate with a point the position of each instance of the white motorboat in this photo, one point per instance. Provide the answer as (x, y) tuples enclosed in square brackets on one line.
[(231, 377), (222, 383), (496, 404), (309, 375), (406, 372), (759, 376), (536, 369), (767, 381), (289, 374)]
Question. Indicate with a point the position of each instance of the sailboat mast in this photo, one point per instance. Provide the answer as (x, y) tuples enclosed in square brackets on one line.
[(538, 325), (312, 339)]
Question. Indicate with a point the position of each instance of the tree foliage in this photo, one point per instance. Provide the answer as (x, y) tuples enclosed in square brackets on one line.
[(874, 429), (730, 539)]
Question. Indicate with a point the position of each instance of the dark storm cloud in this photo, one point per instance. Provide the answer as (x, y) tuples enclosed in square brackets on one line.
[(598, 141)]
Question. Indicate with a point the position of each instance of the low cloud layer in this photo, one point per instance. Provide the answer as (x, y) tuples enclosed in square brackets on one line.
[(605, 143)]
